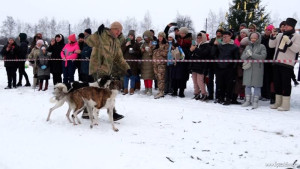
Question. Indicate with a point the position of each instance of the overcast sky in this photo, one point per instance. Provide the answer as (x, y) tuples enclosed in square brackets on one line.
[(161, 11)]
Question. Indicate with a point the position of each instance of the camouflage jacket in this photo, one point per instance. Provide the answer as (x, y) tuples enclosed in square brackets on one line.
[(106, 54)]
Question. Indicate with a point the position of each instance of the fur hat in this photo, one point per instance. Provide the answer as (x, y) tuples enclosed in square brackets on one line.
[(147, 34), (252, 26), (23, 36), (116, 25), (81, 35), (162, 34), (88, 31), (72, 38), (184, 30), (246, 31), (131, 32), (291, 22)]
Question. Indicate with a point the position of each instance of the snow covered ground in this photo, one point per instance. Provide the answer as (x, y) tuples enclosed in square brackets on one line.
[(169, 133)]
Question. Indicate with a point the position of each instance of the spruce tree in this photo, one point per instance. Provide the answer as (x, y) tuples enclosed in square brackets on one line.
[(247, 11)]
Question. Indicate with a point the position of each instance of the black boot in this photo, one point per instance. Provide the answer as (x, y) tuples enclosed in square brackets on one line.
[(181, 93), (8, 87), (46, 86), (272, 98), (234, 99), (117, 116), (175, 92), (19, 84), (40, 85)]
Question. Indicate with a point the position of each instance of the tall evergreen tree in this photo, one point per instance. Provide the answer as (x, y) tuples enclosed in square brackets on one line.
[(247, 11)]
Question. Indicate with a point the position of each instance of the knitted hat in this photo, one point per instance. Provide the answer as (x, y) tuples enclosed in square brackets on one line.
[(23, 36), (81, 35), (131, 32), (43, 48), (184, 30), (270, 28), (116, 25), (172, 35), (291, 22), (40, 41), (243, 24), (72, 38), (246, 31), (162, 34), (88, 31)]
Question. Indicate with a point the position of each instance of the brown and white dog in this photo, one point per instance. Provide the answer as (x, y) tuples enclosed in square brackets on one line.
[(94, 99), (62, 95)]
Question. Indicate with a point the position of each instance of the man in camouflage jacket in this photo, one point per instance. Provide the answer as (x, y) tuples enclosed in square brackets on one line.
[(107, 54)]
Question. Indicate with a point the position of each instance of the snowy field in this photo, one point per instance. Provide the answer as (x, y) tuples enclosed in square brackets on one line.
[(169, 133)]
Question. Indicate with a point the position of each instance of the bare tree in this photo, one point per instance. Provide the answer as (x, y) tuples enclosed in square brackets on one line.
[(146, 24), (63, 27), (29, 29), (185, 21), (53, 28), (130, 24), (212, 23), (43, 27), (8, 27)]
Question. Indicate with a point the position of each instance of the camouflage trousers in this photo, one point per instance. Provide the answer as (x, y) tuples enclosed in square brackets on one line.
[(159, 71)]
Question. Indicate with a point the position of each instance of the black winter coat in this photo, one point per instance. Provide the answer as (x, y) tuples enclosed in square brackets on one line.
[(134, 66), (85, 54), (12, 53), (56, 65), (225, 52), (200, 53)]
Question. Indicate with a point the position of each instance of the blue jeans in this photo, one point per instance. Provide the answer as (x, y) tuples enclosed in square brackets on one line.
[(132, 82), (68, 72)]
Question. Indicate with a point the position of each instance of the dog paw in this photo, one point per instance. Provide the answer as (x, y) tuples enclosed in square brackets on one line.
[(116, 130)]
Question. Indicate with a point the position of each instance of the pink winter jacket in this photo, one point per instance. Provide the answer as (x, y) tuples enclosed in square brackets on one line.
[(68, 52)]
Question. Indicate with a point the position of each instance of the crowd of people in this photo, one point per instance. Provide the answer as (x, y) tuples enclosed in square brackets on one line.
[(131, 58)]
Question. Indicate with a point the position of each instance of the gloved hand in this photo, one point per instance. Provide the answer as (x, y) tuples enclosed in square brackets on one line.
[(43, 67), (286, 39), (129, 72), (249, 53)]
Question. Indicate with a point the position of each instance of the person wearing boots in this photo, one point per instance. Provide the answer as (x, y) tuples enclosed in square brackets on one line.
[(160, 53), (287, 47), (225, 72), (200, 51), (147, 71), (131, 50), (22, 55), (35, 52), (43, 68), (253, 72), (267, 91), (55, 65), (68, 54), (10, 51), (180, 74), (106, 54)]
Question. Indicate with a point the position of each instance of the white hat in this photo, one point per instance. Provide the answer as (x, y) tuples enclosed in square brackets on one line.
[(40, 41)]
